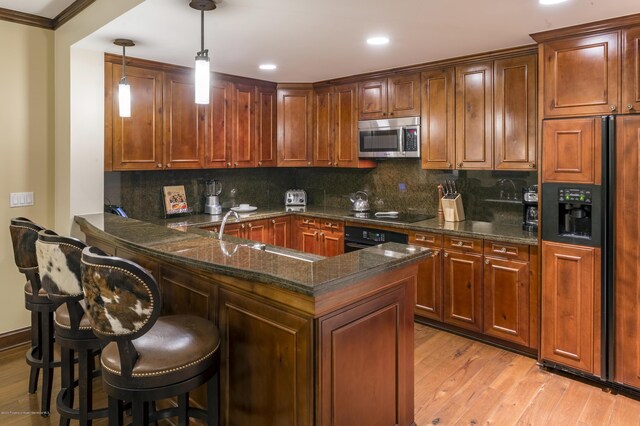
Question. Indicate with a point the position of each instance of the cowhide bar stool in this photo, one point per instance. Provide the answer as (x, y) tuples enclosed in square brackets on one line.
[(59, 266), (24, 234), (148, 357)]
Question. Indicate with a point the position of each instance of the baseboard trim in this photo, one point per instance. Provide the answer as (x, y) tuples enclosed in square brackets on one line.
[(14, 338)]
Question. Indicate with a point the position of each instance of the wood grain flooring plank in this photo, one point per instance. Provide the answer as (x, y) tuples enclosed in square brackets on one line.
[(547, 397), (572, 403), (626, 412), (598, 409)]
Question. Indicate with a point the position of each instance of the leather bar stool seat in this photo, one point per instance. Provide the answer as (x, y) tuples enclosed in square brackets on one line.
[(24, 234), (59, 267), (147, 357)]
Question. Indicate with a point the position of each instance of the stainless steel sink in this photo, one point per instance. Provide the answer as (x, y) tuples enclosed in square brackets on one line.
[(281, 252)]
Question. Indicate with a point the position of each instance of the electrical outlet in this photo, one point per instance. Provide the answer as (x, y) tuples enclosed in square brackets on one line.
[(21, 199)]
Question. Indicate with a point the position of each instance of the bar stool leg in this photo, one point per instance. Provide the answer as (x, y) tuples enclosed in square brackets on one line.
[(66, 381), (85, 388), (213, 400), (36, 349), (139, 411), (47, 358), (115, 411), (183, 409)]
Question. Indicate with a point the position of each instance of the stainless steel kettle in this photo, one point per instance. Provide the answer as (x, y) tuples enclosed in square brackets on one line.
[(360, 202)]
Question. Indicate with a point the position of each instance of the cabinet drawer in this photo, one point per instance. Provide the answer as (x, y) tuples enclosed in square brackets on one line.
[(332, 225), (506, 250), (467, 245), (308, 221), (426, 239)]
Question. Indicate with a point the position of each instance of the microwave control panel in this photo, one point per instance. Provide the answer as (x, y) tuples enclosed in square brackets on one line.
[(410, 139)]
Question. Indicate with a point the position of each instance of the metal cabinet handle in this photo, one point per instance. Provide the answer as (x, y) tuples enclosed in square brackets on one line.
[(308, 163), (235, 164), (159, 165), (250, 225), (273, 221), (629, 107), (436, 253), (259, 163), (448, 164), (446, 254), (459, 164), (168, 165), (228, 164), (531, 165), (488, 262), (242, 226), (459, 244), (612, 107), (502, 250)]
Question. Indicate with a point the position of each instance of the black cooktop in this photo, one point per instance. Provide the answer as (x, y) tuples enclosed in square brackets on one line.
[(399, 218)]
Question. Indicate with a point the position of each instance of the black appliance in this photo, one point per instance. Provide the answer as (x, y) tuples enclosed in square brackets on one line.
[(530, 208), (114, 209), (356, 238), (394, 218)]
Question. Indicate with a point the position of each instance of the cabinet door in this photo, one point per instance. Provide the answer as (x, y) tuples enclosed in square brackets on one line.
[(571, 306), (218, 141), (515, 113), (581, 75), (258, 230), (184, 123), (372, 98), (309, 241), (404, 96), (322, 128), (332, 243), (295, 127), (234, 230), (429, 287), (463, 290), (474, 116), (137, 140), (244, 126), (438, 119), (627, 255), (280, 232), (345, 122), (266, 127), (506, 300), (631, 71), (572, 150)]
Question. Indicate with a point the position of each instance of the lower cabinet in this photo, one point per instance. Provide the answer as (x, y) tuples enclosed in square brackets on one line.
[(318, 236), (280, 231), (463, 290), (429, 283), (267, 231), (571, 306)]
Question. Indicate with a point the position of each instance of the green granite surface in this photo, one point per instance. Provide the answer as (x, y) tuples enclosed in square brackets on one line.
[(311, 275)]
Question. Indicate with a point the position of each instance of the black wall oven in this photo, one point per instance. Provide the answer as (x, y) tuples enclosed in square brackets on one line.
[(356, 237)]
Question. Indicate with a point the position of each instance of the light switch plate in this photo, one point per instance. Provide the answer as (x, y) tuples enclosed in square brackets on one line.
[(21, 199)]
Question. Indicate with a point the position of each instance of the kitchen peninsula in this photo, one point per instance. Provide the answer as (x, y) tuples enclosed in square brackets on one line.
[(298, 332)]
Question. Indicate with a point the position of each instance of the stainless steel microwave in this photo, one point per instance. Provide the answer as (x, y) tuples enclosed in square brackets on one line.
[(392, 138)]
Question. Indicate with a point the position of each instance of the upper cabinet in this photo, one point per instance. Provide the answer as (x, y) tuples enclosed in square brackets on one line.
[(295, 126), (591, 69), (266, 142), (397, 96), (480, 115), (218, 145)]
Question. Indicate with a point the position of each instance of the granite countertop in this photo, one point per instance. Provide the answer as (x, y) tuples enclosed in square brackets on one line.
[(467, 228), (299, 272)]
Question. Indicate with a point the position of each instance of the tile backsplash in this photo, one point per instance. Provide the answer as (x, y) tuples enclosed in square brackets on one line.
[(400, 185)]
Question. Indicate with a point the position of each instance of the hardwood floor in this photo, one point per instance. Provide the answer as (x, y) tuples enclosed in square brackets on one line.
[(457, 382)]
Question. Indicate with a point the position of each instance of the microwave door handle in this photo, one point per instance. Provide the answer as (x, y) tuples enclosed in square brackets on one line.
[(402, 141)]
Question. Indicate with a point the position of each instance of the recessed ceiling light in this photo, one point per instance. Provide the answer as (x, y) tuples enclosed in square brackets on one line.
[(268, 67), (377, 40), (546, 2)]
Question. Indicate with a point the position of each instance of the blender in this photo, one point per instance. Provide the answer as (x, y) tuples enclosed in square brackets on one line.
[(211, 197)]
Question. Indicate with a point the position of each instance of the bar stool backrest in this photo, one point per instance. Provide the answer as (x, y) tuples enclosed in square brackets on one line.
[(24, 234)]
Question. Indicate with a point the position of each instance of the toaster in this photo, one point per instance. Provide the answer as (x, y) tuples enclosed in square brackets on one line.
[(295, 197)]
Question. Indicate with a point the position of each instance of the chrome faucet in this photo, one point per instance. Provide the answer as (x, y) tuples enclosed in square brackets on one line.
[(224, 221)]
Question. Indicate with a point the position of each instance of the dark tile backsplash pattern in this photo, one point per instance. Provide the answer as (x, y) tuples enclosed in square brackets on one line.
[(400, 185)]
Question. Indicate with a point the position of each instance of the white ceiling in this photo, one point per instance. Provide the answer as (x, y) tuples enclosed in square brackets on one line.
[(47, 8), (312, 40)]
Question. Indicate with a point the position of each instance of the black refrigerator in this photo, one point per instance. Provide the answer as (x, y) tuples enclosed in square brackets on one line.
[(590, 228)]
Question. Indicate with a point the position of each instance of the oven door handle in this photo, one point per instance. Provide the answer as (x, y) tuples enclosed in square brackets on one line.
[(357, 246)]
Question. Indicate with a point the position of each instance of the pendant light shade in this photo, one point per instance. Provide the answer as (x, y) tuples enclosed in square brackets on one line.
[(202, 65), (124, 89)]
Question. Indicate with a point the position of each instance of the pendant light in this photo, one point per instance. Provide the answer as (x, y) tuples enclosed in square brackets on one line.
[(124, 89), (202, 57)]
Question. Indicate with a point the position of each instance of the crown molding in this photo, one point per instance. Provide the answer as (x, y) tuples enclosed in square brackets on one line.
[(42, 22)]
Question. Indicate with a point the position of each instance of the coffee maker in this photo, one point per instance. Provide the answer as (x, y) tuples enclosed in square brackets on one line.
[(530, 208), (212, 197)]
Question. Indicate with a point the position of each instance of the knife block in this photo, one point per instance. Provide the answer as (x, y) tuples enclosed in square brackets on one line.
[(453, 209)]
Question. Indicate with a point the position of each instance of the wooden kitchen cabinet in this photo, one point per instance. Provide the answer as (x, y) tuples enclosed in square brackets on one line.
[(437, 121), (631, 71), (318, 236), (392, 97), (136, 142), (184, 123), (572, 150), (219, 116), (266, 122), (581, 74), (571, 312), (254, 230), (244, 126), (322, 127), (280, 231), (474, 116), (463, 305), (295, 127), (514, 85), (429, 280)]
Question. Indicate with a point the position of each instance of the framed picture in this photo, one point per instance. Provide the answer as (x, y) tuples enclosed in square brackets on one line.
[(175, 199)]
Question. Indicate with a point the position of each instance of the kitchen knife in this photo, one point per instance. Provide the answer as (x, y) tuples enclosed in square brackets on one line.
[(455, 190)]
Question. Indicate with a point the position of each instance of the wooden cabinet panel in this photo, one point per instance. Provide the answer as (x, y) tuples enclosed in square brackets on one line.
[(234, 229), (295, 127), (471, 245), (426, 239), (631, 71), (184, 123), (506, 250), (506, 300), (355, 354), (218, 143), (627, 251), (280, 232), (322, 128), (438, 119), (515, 113), (332, 243), (266, 127), (372, 99), (474, 116), (266, 365), (572, 150), (345, 122), (137, 140), (463, 290), (404, 95), (429, 287), (258, 230), (581, 75), (244, 126), (571, 306)]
